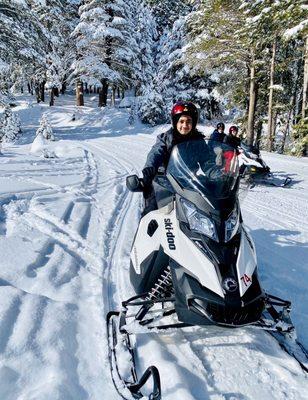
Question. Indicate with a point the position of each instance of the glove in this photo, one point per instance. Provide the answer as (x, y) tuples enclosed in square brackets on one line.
[(148, 175)]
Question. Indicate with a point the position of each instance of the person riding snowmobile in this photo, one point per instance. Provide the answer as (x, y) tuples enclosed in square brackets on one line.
[(184, 118), (218, 134), (232, 139)]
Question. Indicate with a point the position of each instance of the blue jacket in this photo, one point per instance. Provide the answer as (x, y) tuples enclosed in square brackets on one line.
[(217, 136), (160, 153)]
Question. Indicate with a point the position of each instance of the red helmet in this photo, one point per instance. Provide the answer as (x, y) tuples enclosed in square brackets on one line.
[(233, 128), (184, 108)]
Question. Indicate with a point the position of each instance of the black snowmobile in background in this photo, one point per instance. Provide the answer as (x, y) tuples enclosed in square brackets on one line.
[(254, 168), (193, 262)]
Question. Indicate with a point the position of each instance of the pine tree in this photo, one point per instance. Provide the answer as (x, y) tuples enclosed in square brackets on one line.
[(219, 46), (56, 16), (167, 12), (45, 129), (10, 126), (145, 35), (22, 36), (105, 46)]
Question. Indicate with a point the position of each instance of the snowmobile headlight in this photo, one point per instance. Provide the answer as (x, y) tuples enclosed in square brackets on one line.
[(197, 221), (231, 225)]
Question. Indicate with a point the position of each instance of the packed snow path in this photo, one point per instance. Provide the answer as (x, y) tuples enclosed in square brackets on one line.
[(66, 227)]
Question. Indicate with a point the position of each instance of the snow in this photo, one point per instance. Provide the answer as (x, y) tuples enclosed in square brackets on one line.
[(66, 227), (294, 31)]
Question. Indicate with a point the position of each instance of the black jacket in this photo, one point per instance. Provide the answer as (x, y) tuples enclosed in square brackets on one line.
[(160, 153), (232, 141)]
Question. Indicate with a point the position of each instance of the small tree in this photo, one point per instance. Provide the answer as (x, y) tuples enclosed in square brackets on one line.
[(151, 107), (45, 128), (300, 136), (10, 126)]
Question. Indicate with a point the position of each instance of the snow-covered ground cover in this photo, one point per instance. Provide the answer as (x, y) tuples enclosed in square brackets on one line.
[(66, 227)]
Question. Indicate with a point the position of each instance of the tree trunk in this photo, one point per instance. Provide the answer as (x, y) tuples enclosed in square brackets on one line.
[(37, 93), (113, 93), (118, 92), (305, 87), (56, 91), (86, 89), (259, 133), (275, 117), (21, 89), (63, 88), (29, 87), (270, 127), (103, 92), (79, 94), (42, 91), (63, 85), (287, 127), (52, 97), (252, 103)]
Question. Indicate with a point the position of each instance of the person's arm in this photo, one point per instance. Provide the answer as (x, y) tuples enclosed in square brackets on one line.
[(158, 153)]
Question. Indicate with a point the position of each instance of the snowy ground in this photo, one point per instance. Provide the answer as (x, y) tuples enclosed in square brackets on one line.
[(66, 227)]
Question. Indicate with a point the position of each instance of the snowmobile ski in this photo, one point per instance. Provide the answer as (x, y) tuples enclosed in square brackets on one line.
[(293, 347), (270, 181), (125, 377)]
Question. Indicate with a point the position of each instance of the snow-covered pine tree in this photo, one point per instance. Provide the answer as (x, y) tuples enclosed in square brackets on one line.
[(22, 36), (45, 129), (57, 17), (167, 12), (269, 23), (175, 79), (225, 42), (151, 106), (145, 35), (105, 46), (10, 126)]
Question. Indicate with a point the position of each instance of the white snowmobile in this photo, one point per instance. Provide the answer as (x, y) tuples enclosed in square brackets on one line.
[(193, 263), (254, 168)]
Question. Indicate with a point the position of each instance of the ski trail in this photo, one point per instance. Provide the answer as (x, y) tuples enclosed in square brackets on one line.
[(114, 226), (66, 255)]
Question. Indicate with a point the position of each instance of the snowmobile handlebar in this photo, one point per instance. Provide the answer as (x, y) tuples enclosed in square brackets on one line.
[(134, 183)]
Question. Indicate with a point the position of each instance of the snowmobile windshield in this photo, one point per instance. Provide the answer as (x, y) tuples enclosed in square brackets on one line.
[(211, 169)]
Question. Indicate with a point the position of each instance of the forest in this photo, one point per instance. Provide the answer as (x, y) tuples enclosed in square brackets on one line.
[(243, 61)]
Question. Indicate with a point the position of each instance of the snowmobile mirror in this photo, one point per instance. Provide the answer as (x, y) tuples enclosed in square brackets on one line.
[(133, 183)]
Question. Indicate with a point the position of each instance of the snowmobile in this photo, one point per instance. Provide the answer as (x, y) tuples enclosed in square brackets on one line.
[(193, 262), (254, 168)]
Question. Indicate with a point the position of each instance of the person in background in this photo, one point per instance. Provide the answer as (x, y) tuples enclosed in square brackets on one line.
[(218, 134), (233, 138)]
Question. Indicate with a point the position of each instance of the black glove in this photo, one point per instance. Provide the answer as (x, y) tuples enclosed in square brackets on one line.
[(148, 175)]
